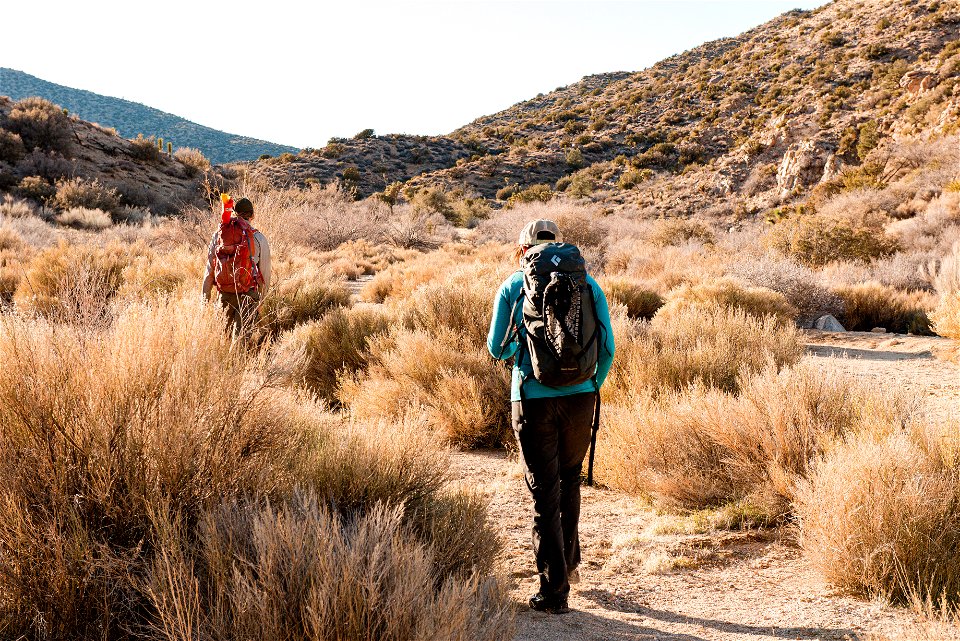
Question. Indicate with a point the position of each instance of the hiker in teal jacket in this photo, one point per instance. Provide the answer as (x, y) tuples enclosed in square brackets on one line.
[(553, 429)]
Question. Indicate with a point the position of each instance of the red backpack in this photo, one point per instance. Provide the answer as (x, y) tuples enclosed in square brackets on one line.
[(234, 270)]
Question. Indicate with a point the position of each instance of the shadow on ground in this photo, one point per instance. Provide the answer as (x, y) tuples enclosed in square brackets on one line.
[(866, 354), (652, 624)]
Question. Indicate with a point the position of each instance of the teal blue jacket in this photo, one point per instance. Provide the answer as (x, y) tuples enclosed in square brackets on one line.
[(502, 326)]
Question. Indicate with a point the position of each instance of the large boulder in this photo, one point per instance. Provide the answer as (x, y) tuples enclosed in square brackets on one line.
[(802, 165), (919, 82), (828, 323)]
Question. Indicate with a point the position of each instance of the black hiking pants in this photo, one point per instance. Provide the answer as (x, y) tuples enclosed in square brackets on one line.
[(554, 435)]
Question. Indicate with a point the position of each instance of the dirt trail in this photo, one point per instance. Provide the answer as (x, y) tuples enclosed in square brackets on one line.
[(730, 585)]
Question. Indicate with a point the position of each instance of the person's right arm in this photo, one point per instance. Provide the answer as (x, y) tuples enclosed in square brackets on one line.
[(501, 325)]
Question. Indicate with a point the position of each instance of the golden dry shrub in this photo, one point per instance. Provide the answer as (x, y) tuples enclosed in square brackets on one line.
[(726, 292), (818, 240), (319, 353), (461, 300), (879, 515), (710, 345), (946, 317), (134, 457), (399, 280), (298, 570), (699, 447), (299, 294), (74, 283), (157, 275), (463, 393), (639, 301), (193, 160), (871, 304)]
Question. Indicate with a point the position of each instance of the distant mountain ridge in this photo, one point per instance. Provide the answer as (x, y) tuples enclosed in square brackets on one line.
[(132, 118)]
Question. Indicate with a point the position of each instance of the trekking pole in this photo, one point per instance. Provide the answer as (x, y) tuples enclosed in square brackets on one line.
[(593, 439)]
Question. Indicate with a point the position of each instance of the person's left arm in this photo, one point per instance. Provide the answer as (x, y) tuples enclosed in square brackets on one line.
[(607, 348)]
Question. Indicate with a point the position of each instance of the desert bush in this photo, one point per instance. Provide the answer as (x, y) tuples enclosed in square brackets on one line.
[(303, 296), (11, 147), (152, 276), (319, 353), (816, 241), (146, 148), (351, 579), (87, 194), (441, 373), (84, 218), (638, 301), (10, 207), (193, 160), (879, 516), (726, 292), (533, 193), (140, 464), (946, 317), (700, 447), (800, 285), (40, 124), (712, 346), (633, 177), (74, 283), (678, 231), (584, 230), (49, 165), (36, 188), (868, 305)]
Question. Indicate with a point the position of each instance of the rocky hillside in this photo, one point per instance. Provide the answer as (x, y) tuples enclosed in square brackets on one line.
[(132, 118), (60, 162), (733, 127), (367, 163)]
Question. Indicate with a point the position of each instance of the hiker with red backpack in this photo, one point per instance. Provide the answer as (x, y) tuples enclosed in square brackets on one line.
[(553, 319), (238, 265)]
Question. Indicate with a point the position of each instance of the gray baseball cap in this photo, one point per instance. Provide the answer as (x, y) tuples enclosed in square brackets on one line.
[(538, 232)]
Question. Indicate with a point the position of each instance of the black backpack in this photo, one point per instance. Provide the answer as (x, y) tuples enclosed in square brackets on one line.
[(559, 315)]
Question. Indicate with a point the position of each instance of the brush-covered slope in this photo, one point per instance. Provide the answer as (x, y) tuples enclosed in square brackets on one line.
[(59, 162), (132, 118)]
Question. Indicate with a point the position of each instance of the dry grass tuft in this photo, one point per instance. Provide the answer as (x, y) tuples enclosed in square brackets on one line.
[(946, 317), (321, 352), (639, 301), (303, 296), (879, 515), (726, 292), (442, 373), (708, 345), (84, 218)]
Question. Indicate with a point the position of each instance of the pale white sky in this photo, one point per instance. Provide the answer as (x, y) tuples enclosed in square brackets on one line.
[(307, 72)]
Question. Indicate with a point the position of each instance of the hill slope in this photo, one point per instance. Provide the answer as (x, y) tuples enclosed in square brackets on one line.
[(733, 127), (131, 118)]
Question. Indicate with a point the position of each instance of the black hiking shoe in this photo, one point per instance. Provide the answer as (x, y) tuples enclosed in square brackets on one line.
[(541, 603)]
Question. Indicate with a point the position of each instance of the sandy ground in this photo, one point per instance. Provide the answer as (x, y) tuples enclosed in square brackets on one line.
[(730, 585)]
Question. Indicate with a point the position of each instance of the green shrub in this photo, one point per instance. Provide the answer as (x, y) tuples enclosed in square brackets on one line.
[(36, 188), (534, 193), (363, 135), (146, 149), (574, 159), (816, 240), (639, 301), (505, 193), (633, 177)]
